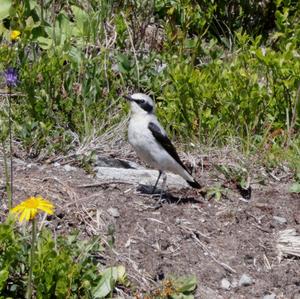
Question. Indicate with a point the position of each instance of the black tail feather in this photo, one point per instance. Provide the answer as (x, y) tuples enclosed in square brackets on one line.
[(194, 184)]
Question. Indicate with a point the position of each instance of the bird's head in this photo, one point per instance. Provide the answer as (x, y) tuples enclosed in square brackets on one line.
[(141, 103)]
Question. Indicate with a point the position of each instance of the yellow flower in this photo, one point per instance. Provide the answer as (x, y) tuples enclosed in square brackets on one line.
[(15, 35), (30, 207)]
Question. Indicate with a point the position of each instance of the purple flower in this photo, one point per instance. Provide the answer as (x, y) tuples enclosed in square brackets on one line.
[(11, 77)]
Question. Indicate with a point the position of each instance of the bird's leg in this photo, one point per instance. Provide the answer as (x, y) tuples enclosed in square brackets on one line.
[(154, 188), (159, 203), (163, 186)]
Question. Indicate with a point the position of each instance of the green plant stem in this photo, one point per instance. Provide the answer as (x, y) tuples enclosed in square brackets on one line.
[(85, 118), (10, 196), (42, 12), (133, 50), (294, 117), (33, 240), (7, 180)]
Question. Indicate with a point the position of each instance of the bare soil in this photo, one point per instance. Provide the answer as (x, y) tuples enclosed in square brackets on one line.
[(188, 234)]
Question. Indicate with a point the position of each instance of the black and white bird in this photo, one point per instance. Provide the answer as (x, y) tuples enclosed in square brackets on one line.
[(151, 142)]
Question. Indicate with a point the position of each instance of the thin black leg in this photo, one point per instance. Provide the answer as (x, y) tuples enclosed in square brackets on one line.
[(154, 188), (163, 187)]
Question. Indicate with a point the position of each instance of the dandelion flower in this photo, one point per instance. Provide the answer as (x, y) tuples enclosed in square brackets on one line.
[(11, 77), (30, 207), (15, 35)]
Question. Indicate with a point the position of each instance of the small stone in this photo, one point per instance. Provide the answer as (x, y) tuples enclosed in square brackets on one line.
[(281, 220), (178, 221), (114, 212), (56, 164), (69, 168), (33, 166), (225, 284), (245, 280), (270, 296), (234, 283)]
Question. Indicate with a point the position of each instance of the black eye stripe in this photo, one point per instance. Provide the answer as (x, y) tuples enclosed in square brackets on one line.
[(139, 101), (144, 105)]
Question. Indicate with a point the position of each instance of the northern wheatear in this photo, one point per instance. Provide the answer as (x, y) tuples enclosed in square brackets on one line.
[(151, 142)]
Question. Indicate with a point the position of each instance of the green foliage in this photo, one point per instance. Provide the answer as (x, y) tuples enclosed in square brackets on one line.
[(63, 267), (186, 22), (110, 277), (66, 74), (237, 174), (230, 72), (11, 261), (4, 125), (215, 192), (4, 10), (295, 188), (175, 288), (246, 95), (292, 156)]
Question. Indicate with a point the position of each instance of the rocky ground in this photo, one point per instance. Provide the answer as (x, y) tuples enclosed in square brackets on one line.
[(236, 246)]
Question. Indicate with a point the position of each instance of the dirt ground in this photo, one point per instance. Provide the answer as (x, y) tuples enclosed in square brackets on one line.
[(188, 234)]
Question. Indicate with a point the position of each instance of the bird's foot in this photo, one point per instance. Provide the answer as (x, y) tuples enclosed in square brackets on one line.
[(159, 198), (158, 202), (159, 195)]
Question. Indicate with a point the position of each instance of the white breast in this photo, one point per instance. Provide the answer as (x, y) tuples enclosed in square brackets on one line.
[(142, 139), (148, 149)]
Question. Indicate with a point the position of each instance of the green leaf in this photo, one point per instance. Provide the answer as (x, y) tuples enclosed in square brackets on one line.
[(4, 8), (45, 43), (186, 284), (32, 4), (295, 188), (82, 20), (64, 28), (124, 63), (3, 277), (121, 274), (107, 283), (75, 55)]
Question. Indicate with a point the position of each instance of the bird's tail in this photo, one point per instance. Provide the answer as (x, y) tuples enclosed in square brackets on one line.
[(194, 184)]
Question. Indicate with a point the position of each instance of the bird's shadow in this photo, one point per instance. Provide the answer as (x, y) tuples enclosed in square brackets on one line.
[(167, 197)]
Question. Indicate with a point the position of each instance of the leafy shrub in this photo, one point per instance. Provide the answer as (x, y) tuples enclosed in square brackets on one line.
[(76, 61), (246, 95), (63, 267), (66, 73)]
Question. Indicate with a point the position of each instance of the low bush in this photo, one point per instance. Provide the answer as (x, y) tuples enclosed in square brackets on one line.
[(64, 267)]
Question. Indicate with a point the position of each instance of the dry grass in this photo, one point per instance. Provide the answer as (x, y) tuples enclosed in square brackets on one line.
[(288, 243)]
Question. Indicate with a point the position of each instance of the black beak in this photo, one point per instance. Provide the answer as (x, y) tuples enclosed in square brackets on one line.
[(128, 98)]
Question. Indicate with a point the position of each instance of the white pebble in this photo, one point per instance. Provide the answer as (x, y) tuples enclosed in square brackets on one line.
[(245, 280), (114, 212), (281, 220), (225, 284), (270, 296)]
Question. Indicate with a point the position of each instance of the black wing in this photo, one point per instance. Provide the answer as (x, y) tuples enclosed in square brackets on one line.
[(165, 142)]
